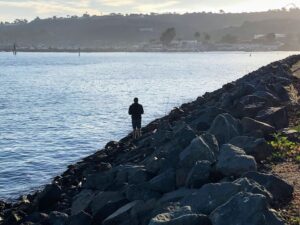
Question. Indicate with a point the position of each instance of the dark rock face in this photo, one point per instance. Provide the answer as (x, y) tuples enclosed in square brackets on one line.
[(225, 127), (257, 147), (276, 116), (245, 208), (210, 196), (195, 166), (201, 148), (199, 174), (279, 189), (233, 161)]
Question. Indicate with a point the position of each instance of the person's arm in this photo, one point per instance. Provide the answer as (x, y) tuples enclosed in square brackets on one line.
[(142, 110), (130, 110)]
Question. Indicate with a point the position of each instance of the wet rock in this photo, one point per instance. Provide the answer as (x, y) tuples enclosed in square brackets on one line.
[(233, 161), (276, 116), (279, 189), (210, 196), (245, 208), (164, 182), (36, 217), (48, 197), (141, 212), (257, 147), (81, 201), (199, 174), (120, 215), (81, 218), (141, 192), (252, 126), (201, 148), (225, 127)]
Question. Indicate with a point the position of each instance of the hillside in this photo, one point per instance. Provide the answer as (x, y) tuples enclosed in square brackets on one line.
[(127, 30)]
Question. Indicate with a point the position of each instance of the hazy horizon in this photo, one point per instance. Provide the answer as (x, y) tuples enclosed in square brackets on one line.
[(30, 9)]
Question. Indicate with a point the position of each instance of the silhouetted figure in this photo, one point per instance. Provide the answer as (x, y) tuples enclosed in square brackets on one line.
[(136, 110), (15, 49)]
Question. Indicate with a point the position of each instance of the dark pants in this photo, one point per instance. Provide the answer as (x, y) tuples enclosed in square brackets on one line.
[(136, 123)]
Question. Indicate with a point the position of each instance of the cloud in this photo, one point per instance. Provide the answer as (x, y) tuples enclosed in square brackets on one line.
[(155, 7), (116, 3)]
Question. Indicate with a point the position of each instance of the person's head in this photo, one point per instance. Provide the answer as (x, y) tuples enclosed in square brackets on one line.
[(136, 100)]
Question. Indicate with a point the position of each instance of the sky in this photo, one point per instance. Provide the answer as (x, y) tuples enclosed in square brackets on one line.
[(29, 9)]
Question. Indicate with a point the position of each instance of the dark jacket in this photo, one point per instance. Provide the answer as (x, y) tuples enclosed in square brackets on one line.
[(136, 110)]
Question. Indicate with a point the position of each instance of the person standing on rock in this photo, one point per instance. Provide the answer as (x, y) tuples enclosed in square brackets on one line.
[(136, 110)]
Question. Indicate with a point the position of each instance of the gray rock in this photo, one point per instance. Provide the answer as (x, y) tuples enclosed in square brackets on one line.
[(175, 196), (246, 209), (183, 134), (251, 126), (201, 119), (81, 201), (105, 203), (225, 127), (276, 116), (233, 161), (279, 189), (210, 196), (141, 192), (141, 212), (132, 174), (181, 216), (199, 174), (99, 181), (201, 148), (120, 215), (257, 147), (164, 182), (248, 185), (48, 197), (81, 218), (57, 218)]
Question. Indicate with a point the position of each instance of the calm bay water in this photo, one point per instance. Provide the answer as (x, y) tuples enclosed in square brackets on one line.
[(56, 108)]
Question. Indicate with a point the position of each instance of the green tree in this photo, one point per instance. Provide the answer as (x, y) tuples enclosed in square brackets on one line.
[(197, 36), (228, 38), (168, 36)]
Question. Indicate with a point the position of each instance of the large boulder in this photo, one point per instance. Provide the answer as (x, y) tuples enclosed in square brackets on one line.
[(246, 209), (279, 189), (252, 126), (183, 134), (233, 161), (181, 216), (81, 218), (105, 203), (132, 174), (164, 182), (199, 174), (257, 147), (81, 201), (210, 196), (175, 196), (201, 119), (141, 192), (276, 116), (248, 185), (201, 148), (57, 218), (99, 181), (121, 215), (225, 127), (47, 199)]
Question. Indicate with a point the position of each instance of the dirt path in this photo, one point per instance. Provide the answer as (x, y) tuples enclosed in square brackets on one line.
[(290, 172)]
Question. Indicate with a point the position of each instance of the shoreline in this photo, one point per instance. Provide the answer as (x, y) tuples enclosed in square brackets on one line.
[(164, 159)]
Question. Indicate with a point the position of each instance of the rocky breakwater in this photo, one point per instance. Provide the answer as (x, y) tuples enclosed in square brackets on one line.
[(203, 164)]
